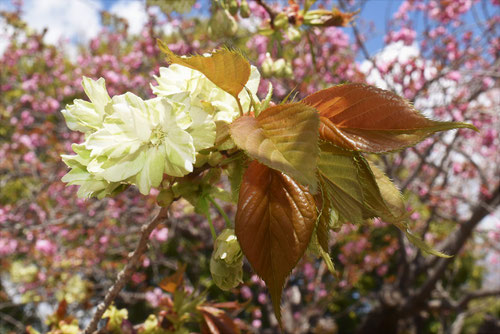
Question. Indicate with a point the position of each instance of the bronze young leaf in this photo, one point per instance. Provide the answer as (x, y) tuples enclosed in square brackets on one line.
[(274, 223), (365, 118), (228, 69), (283, 137)]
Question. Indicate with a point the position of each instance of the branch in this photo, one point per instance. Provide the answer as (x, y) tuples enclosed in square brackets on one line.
[(453, 245), (269, 10), (462, 303), (123, 276), (11, 320), (418, 169)]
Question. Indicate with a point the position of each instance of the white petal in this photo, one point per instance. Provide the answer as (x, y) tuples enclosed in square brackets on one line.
[(116, 170), (180, 152), (203, 128), (151, 174), (96, 91)]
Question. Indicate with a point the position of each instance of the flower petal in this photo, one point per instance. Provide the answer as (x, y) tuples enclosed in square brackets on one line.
[(151, 174), (97, 93)]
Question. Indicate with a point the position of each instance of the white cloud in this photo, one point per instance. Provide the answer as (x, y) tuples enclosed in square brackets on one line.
[(393, 52), (134, 12), (76, 20), (167, 28), (5, 33)]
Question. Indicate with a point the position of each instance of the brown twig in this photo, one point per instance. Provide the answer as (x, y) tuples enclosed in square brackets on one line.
[(453, 245), (269, 10), (124, 275)]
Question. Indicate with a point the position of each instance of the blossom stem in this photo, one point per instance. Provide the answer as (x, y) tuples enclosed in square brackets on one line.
[(239, 106), (231, 158), (123, 276), (211, 224), (221, 211)]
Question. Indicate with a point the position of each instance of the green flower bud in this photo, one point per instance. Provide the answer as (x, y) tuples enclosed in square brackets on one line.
[(281, 21), (233, 7), (267, 66), (226, 263), (288, 73), (328, 18), (165, 197), (279, 67), (293, 34), (244, 9), (215, 158)]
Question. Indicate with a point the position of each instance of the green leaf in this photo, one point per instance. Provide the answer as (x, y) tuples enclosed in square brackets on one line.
[(356, 189), (275, 219), (283, 137), (382, 198), (359, 190), (418, 242), (365, 118), (318, 250), (338, 172), (227, 69), (393, 198), (321, 235), (325, 222)]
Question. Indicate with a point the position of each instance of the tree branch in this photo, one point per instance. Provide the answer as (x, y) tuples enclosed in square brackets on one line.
[(462, 303), (453, 245), (123, 276), (269, 10), (11, 320)]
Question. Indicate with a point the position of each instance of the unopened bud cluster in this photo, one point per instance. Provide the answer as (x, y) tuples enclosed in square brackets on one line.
[(278, 68), (226, 263)]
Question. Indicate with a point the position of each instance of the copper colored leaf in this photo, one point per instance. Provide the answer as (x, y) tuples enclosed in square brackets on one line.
[(61, 309), (274, 222), (172, 282), (223, 139), (365, 118), (216, 321), (227, 69), (228, 305), (283, 137)]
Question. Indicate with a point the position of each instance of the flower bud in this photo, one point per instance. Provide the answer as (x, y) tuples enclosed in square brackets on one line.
[(226, 263), (282, 69), (293, 34), (244, 9), (281, 21), (279, 67), (233, 7), (327, 18), (267, 66)]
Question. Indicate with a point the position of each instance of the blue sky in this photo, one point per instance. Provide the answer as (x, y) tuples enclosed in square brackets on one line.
[(78, 20)]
